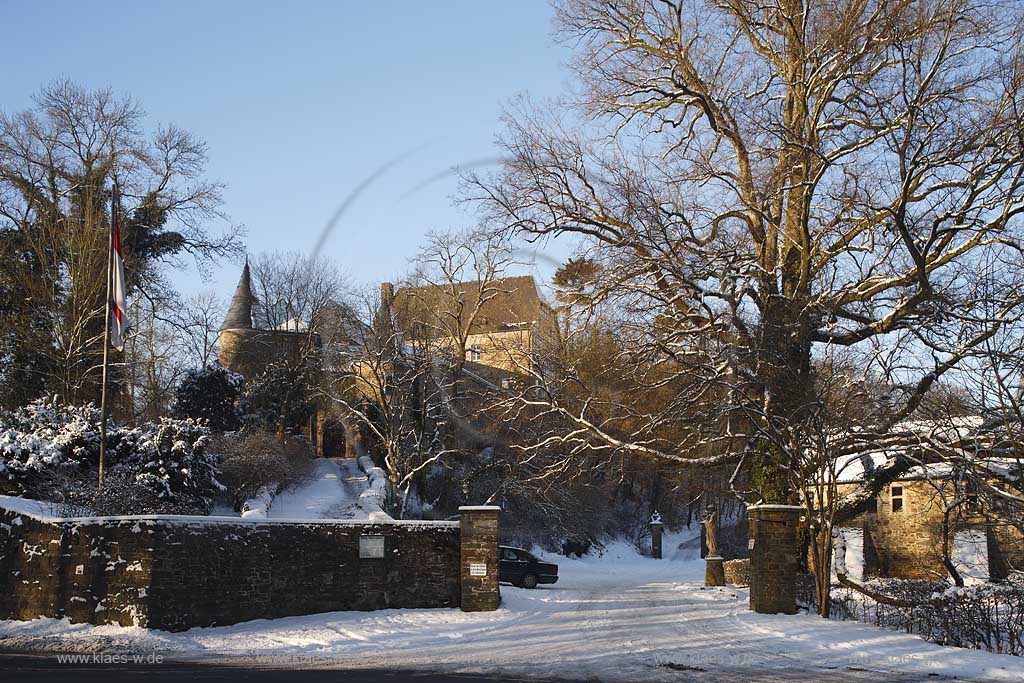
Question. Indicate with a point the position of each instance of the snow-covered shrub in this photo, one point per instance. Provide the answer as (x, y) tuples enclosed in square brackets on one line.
[(988, 616), (121, 494), (209, 393), (50, 451), (255, 460), (172, 459), (43, 439)]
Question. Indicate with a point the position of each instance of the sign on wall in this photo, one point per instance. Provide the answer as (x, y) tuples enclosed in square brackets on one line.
[(371, 546), (477, 569)]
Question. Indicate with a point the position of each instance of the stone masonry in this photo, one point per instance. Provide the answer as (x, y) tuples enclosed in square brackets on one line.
[(479, 561), (774, 558), (905, 541), (737, 572), (175, 573)]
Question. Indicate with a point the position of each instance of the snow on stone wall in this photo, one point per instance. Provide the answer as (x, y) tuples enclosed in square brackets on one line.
[(175, 572), (258, 506)]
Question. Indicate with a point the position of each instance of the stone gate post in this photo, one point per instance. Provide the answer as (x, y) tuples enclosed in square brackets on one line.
[(478, 565), (774, 558), (657, 527)]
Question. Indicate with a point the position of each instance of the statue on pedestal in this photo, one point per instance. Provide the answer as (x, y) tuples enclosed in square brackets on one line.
[(714, 573), (711, 532)]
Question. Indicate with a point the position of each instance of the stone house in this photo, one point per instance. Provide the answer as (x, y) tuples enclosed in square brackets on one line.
[(923, 518), (505, 321)]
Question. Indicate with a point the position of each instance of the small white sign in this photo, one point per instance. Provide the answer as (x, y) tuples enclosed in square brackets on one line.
[(477, 569), (750, 544), (79, 569), (371, 546)]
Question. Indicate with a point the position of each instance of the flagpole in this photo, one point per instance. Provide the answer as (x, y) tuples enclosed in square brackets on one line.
[(106, 333)]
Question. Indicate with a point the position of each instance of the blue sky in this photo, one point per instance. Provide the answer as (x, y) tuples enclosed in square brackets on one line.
[(299, 102)]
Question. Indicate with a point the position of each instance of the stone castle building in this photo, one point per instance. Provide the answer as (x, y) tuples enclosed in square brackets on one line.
[(248, 350), (505, 321), (906, 534)]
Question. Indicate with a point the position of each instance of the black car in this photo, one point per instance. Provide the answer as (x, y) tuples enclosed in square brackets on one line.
[(520, 568)]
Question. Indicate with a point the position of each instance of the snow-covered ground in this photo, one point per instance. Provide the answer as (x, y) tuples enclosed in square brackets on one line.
[(620, 617), (332, 492)]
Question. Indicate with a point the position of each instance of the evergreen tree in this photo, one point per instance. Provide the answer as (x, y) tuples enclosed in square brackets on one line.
[(210, 393)]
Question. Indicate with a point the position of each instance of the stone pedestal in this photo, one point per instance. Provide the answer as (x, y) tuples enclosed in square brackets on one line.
[(656, 531), (774, 558), (714, 571), (478, 571)]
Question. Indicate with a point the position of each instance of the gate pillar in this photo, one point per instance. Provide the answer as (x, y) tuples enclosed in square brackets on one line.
[(774, 558), (478, 564)]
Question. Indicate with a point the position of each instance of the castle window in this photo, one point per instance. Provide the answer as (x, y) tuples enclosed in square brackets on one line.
[(474, 352), (897, 498)]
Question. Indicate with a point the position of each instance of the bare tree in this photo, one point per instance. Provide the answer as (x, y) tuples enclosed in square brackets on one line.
[(761, 181), (153, 362), (456, 274), (386, 387), (297, 294), (198, 320), (57, 161)]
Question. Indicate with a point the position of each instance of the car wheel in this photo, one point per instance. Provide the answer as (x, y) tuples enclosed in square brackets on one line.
[(530, 581)]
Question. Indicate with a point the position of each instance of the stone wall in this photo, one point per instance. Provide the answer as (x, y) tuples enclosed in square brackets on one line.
[(248, 351), (1005, 550), (906, 543), (737, 572), (175, 573)]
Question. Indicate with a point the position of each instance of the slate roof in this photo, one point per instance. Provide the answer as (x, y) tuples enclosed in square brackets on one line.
[(514, 303), (240, 311)]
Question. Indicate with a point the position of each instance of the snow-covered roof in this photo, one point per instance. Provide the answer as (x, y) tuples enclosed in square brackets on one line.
[(293, 325), (852, 468)]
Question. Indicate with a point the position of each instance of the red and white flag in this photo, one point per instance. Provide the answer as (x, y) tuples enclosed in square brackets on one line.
[(118, 301)]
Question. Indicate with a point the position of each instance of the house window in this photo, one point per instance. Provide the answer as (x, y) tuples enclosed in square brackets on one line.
[(506, 382), (474, 352), (873, 506), (897, 498), (972, 499)]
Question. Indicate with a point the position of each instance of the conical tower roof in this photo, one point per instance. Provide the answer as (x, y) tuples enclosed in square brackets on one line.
[(240, 311)]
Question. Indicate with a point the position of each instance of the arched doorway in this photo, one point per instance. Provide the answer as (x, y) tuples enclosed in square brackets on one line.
[(334, 441)]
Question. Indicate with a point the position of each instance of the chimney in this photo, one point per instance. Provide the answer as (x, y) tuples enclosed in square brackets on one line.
[(387, 294)]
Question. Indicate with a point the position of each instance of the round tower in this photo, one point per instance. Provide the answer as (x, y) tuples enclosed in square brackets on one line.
[(238, 339)]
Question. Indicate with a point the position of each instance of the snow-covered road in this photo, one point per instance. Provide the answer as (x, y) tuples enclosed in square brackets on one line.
[(617, 618)]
